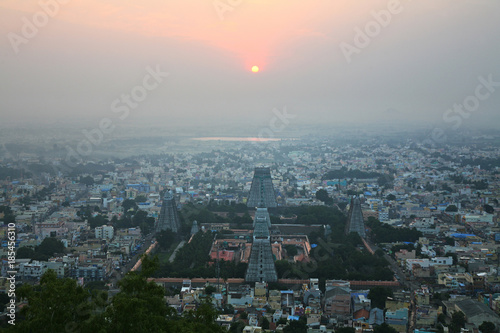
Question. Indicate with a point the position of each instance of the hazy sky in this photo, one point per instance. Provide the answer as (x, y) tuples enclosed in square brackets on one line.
[(420, 58)]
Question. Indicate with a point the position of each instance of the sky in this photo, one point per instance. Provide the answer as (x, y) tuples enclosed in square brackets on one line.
[(324, 61)]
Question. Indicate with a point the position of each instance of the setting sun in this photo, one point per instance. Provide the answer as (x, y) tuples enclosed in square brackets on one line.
[(255, 69)]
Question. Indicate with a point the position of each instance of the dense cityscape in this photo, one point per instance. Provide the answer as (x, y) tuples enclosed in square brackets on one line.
[(249, 166), (292, 235)]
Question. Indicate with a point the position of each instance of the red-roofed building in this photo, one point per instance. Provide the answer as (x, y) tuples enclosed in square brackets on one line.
[(223, 255), (361, 314)]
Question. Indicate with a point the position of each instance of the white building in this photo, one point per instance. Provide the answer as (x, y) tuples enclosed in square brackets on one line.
[(31, 270), (105, 231), (485, 218), (425, 263), (448, 261)]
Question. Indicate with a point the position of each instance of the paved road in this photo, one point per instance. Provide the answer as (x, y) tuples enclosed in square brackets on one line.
[(172, 257), (410, 285), (117, 275)]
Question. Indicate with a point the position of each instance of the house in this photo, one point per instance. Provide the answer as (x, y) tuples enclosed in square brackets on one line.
[(397, 319), (474, 311)]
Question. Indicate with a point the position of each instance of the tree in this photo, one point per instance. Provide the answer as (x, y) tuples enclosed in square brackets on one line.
[(60, 305), (128, 204), (25, 252), (201, 320), (489, 209), (165, 238), (281, 321), (291, 250), (487, 327), (56, 305), (140, 198), (228, 309), (209, 290), (139, 217), (446, 187), (378, 295), (391, 197), (237, 327), (342, 205), (139, 306), (96, 285), (50, 246), (454, 256), (4, 300), (147, 226), (97, 221), (457, 321), (88, 180), (384, 328), (282, 266), (345, 330), (264, 323), (296, 326), (449, 241), (451, 208), (322, 195)]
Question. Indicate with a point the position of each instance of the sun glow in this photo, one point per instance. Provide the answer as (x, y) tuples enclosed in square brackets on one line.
[(255, 69)]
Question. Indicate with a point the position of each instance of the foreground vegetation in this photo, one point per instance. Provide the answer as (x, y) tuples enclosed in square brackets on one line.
[(61, 305)]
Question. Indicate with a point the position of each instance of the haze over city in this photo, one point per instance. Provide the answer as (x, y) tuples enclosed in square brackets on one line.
[(416, 60), (250, 166)]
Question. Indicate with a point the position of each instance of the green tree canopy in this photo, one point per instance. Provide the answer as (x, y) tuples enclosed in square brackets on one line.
[(140, 198), (61, 305), (209, 290), (378, 296), (56, 305), (488, 209), (345, 330), (457, 321), (25, 252), (384, 328), (264, 323), (296, 326), (291, 250), (88, 180), (165, 238), (128, 204), (50, 246), (322, 195), (487, 327)]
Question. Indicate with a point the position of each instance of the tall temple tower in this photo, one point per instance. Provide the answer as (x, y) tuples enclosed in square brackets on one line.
[(355, 221), (261, 263), (262, 216), (169, 217), (262, 190)]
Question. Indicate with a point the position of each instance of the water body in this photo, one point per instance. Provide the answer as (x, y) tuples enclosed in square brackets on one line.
[(221, 138)]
